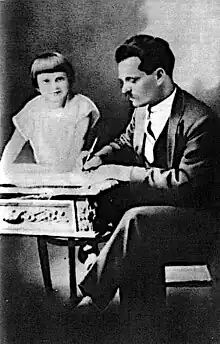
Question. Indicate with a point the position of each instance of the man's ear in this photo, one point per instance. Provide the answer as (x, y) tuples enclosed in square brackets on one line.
[(160, 75)]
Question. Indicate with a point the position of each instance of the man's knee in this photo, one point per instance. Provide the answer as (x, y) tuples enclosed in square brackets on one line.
[(132, 214), (149, 222), (144, 213), (135, 220)]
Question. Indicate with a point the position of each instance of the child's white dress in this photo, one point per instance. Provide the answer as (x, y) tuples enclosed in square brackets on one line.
[(57, 136)]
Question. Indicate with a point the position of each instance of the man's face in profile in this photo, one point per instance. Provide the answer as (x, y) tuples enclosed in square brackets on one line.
[(140, 87)]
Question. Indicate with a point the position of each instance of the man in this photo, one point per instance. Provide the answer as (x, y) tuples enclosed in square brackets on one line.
[(165, 204)]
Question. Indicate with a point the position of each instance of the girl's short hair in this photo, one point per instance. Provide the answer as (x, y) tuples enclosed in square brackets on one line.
[(50, 62)]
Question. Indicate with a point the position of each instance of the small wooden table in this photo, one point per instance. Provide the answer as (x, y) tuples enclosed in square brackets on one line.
[(58, 215)]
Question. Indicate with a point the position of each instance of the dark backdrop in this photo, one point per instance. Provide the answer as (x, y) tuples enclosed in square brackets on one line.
[(88, 31)]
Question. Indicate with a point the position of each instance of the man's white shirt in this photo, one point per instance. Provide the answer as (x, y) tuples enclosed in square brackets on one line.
[(158, 116)]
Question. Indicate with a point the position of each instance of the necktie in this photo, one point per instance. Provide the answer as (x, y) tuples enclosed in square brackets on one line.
[(150, 131), (149, 139), (149, 125)]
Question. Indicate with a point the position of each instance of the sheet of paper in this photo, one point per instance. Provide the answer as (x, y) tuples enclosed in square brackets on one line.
[(31, 179), (25, 176)]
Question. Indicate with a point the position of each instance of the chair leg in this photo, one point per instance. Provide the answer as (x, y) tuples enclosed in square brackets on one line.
[(72, 268), (163, 279), (44, 262)]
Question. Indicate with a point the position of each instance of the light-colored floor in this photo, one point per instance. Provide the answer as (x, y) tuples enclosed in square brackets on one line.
[(28, 315)]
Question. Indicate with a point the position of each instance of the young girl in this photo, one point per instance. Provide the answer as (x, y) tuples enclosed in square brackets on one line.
[(56, 124)]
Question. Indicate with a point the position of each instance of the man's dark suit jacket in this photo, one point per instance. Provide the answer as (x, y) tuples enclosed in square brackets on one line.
[(192, 145)]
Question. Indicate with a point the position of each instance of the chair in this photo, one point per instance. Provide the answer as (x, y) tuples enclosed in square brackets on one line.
[(186, 268), (212, 262)]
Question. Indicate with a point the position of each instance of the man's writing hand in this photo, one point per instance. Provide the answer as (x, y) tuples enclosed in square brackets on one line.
[(81, 159), (92, 163), (84, 165)]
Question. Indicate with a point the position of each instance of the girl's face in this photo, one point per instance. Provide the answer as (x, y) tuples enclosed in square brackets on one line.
[(54, 87)]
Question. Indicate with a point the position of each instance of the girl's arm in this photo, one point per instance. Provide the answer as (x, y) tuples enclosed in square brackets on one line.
[(11, 152), (12, 149), (82, 134)]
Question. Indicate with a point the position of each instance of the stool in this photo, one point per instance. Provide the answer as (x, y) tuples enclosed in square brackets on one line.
[(45, 265), (42, 242)]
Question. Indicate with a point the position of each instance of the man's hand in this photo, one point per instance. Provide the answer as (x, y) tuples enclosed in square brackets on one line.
[(81, 159), (91, 164), (111, 171), (84, 165)]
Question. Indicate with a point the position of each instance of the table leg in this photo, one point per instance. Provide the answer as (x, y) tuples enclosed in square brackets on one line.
[(72, 268), (44, 262)]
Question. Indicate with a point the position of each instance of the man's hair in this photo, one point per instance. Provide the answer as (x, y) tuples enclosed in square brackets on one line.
[(50, 62), (154, 52)]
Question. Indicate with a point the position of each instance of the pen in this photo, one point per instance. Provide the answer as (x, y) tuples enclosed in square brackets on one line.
[(91, 150)]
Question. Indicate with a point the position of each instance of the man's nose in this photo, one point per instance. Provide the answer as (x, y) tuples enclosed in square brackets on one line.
[(125, 89)]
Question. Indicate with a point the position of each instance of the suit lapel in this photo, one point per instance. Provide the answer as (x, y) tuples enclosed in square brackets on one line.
[(176, 114)]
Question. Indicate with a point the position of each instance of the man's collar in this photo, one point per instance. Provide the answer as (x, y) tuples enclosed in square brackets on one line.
[(166, 103)]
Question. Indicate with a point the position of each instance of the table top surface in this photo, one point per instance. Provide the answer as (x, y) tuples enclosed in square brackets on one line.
[(8, 191)]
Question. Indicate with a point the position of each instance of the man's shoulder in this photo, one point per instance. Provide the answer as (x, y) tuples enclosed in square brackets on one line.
[(191, 102), (191, 108)]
